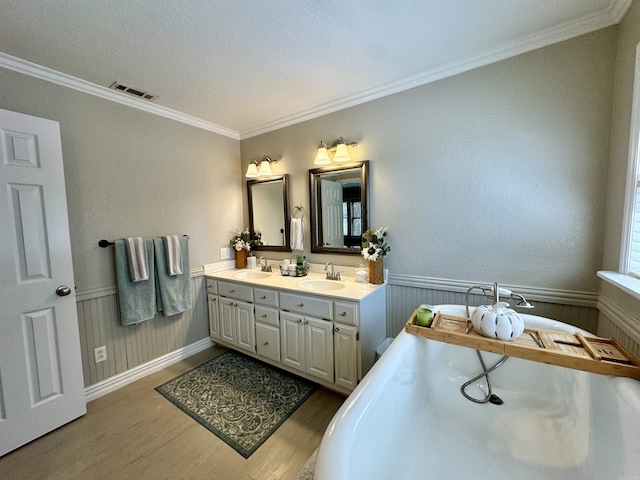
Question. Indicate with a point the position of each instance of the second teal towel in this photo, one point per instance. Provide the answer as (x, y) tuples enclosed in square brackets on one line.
[(174, 291)]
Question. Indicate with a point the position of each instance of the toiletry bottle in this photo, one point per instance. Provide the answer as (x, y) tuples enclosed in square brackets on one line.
[(299, 266)]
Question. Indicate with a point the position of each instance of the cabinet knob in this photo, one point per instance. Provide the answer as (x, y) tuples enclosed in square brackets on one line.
[(336, 329), (301, 304), (306, 322), (263, 297), (343, 314), (298, 321), (264, 315), (231, 291), (266, 343)]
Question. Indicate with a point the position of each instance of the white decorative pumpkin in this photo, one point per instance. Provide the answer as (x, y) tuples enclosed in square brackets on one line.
[(497, 321)]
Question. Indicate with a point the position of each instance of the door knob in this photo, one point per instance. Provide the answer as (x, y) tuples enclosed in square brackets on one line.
[(63, 291)]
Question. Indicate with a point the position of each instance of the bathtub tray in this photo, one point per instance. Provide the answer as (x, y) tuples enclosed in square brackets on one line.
[(572, 350)]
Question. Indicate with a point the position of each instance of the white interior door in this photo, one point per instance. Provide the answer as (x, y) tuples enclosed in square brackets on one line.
[(41, 384), (331, 200)]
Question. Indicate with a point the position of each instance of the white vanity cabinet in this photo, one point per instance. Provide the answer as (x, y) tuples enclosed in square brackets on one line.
[(267, 324), (214, 315), (328, 339), (236, 316), (307, 345)]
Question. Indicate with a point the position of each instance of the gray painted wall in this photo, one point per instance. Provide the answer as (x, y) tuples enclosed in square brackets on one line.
[(620, 312), (131, 173), (495, 174)]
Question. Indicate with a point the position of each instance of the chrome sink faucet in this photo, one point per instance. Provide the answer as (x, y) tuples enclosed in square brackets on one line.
[(331, 275), (265, 267)]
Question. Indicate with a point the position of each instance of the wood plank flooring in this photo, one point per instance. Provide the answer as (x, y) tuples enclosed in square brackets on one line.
[(135, 433)]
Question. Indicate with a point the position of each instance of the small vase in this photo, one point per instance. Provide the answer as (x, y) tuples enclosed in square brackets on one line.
[(376, 271), (241, 259)]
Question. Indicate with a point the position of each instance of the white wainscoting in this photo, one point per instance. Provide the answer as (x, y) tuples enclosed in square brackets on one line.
[(405, 293), (616, 322), (133, 346)]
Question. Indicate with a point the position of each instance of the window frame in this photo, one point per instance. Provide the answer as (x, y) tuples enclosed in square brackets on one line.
[(632, 188)]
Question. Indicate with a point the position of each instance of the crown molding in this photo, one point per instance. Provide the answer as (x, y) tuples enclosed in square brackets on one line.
[(606, 17), (43, 73)]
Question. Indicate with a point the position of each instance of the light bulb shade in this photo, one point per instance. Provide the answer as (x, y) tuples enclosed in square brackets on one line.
[(322, 158), (341, 154), (265, 168), (252, 171)]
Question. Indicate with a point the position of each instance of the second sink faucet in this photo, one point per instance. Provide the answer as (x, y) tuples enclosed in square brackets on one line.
[(265, 267), (331, 275)]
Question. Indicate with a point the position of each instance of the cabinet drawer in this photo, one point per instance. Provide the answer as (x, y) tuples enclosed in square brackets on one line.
[(268, 341), (236, 290), (267, 315), (314, 306), (266, 297), (346, 313), (212, 286)]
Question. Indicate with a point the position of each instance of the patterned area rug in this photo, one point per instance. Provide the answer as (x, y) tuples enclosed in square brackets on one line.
[(239, 399)]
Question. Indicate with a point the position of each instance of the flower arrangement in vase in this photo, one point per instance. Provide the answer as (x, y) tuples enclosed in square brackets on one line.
[(243, 243), (374, 248)]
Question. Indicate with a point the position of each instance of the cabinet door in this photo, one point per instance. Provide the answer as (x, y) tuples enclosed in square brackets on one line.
[(227, 321), (346, 355), (319, 348), (214, 317), (292, 340), (245, 327), (268, 341)]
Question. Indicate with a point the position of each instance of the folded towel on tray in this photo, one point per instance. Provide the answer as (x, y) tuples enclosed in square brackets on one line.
[(136, 300), (137, 259), (173, 254), (174, 291)]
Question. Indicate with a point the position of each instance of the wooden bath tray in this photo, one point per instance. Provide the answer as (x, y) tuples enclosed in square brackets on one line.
[(571, 350)]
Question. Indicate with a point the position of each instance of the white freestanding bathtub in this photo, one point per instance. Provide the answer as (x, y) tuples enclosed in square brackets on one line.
[(408, 420)]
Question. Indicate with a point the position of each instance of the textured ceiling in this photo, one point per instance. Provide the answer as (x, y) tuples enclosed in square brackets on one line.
[(253, 65)]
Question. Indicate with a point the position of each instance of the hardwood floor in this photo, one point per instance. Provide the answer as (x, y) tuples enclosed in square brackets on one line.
[(134, 433)]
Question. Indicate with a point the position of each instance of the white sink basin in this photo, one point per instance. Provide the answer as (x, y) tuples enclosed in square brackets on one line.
[(321, 285), (250, 275)]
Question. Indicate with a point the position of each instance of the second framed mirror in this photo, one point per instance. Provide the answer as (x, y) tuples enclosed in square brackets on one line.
[(339, 207)]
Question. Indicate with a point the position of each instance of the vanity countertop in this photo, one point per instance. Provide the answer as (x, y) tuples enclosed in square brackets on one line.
[(312, 284)]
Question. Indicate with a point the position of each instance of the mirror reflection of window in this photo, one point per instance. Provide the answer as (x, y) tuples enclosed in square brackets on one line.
[(352, 214)]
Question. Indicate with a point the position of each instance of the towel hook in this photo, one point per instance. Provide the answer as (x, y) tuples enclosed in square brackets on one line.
[(297, 211)]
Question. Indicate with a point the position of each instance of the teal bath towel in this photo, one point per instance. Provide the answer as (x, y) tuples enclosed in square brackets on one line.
[(174, 291), (136, 300)]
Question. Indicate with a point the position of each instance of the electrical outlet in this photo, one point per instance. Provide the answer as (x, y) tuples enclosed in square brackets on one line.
[(100, 354), (225, 253)]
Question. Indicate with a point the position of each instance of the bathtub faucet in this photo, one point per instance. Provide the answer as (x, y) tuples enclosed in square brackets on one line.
[(496, 293)]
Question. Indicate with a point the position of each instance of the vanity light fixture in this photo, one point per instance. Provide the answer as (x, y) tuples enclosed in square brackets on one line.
[(341, 154), (265, 167)]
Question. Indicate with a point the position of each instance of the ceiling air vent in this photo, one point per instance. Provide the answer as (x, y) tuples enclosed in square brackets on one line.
[(136, 92)]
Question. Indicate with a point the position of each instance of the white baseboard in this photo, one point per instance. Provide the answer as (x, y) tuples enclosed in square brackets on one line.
[(118, 381)]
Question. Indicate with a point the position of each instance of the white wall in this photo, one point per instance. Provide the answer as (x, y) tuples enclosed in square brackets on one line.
[(499, 173), (131, 173)]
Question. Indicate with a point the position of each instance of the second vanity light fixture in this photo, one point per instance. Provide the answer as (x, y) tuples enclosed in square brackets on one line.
[(265, 167), (339, 146)]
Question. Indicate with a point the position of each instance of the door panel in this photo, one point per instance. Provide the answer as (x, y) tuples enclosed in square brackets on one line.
[(41, 383)]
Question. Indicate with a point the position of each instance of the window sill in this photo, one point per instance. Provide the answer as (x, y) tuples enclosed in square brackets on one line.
[(627, 283)]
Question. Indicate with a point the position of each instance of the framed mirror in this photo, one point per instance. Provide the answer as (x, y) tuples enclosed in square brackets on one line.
[(339, 207), (269, 212)]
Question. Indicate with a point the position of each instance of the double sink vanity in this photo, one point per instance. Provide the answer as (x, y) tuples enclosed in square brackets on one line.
[(324, 330)]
